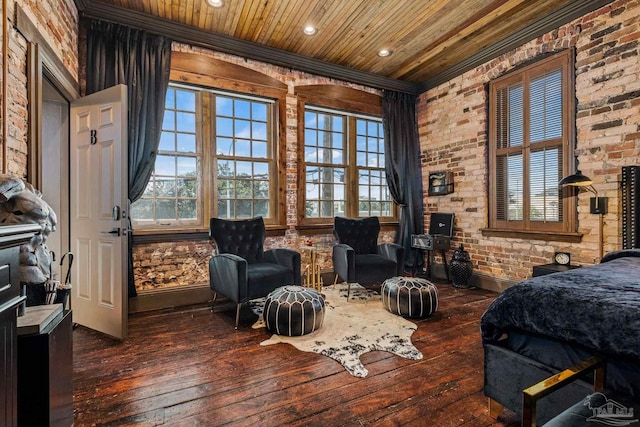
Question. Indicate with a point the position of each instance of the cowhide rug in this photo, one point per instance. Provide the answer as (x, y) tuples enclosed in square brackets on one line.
[(351, 329)]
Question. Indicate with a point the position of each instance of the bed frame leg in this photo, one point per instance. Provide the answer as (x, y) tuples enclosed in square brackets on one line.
[(495, 409)]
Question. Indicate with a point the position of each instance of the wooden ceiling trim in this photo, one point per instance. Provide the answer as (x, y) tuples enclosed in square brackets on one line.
[(341, 97), (219, 42), (567, 13), (211, 70)]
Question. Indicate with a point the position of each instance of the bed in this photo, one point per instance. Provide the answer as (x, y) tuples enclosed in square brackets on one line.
[(546, 324)]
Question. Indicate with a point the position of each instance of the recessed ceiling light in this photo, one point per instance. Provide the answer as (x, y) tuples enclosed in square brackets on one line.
[(309, 30), (216, 3), (384, 52)]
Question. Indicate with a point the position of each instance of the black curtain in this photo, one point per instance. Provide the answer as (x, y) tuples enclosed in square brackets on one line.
[(120, 55), (402, 165)]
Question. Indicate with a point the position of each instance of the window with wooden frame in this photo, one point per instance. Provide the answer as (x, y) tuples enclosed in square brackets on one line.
[(228, 137), (531, 134), (240, 117), (344, 166)]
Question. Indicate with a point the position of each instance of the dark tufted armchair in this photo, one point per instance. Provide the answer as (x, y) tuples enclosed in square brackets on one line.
[(242, 270), (357, 258)]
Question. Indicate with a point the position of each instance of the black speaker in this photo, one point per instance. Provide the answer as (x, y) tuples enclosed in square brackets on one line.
[(441, 224)]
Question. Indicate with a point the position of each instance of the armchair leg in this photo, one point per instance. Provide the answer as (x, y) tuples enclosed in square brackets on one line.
[(348, 290), (238, 314), (213, 300)]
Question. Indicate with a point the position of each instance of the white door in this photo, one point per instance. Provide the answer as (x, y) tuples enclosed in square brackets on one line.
[(98, 182)]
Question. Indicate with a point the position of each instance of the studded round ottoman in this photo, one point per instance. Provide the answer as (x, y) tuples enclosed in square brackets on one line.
[(293, 310), (409, 296)]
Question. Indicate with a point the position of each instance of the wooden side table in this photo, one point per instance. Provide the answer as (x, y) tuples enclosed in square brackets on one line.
[(311, 273)]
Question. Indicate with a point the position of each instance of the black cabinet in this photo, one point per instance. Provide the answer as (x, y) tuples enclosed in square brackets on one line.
[(541, 270), (11, 237), (45, 375), (8, 367)]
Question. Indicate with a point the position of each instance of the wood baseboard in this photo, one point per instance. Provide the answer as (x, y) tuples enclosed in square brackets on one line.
[(170, 297)]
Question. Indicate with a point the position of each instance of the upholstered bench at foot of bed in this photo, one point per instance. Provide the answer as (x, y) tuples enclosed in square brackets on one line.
[(409, 296), (293, 310)]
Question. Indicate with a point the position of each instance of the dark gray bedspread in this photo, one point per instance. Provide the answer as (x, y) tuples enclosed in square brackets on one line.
[(596, 306)]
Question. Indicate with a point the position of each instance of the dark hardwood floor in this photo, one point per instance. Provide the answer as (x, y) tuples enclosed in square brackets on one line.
[(187, 366)]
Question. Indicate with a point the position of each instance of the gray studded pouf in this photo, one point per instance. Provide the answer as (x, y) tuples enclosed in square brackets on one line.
[(409, 296), (293, 310)]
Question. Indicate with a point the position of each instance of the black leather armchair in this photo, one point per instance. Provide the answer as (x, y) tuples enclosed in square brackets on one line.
[(357, 258), (242, 270)]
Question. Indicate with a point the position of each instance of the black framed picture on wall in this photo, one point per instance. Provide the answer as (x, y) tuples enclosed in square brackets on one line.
[(440, 183)]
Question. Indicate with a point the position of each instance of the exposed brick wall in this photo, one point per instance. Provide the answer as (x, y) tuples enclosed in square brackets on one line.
[(146, 256), (57, 22), (452, 121)]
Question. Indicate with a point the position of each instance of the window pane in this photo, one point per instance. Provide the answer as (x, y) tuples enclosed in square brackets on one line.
[(165, 165), (224, 127), (187, 187), (244, 209), (261, 208), (170, 100), (244, 169), (226, 209), (242, 129), (226, 168), (185, 100), (261, 170), (312, 209), (226, 189), (142, 210), (261, 189), (224, 146), (224, 106), (516, 116), (187, 209), (166, 209), (259, 150), (259, 131), (243, 148), (310, 137), (186, 166), (242, 109), (310, 120), (515, 185), (167, 142), (259, 111), (169, 120), (546, 107), (186, 142), (165, 187), (543, 185)]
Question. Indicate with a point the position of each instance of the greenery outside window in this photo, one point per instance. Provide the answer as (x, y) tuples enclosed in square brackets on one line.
[(224, 136), (344, 166), (531, 138)]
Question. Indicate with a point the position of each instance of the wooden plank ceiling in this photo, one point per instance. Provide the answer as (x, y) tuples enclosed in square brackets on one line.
[(426, 37)]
